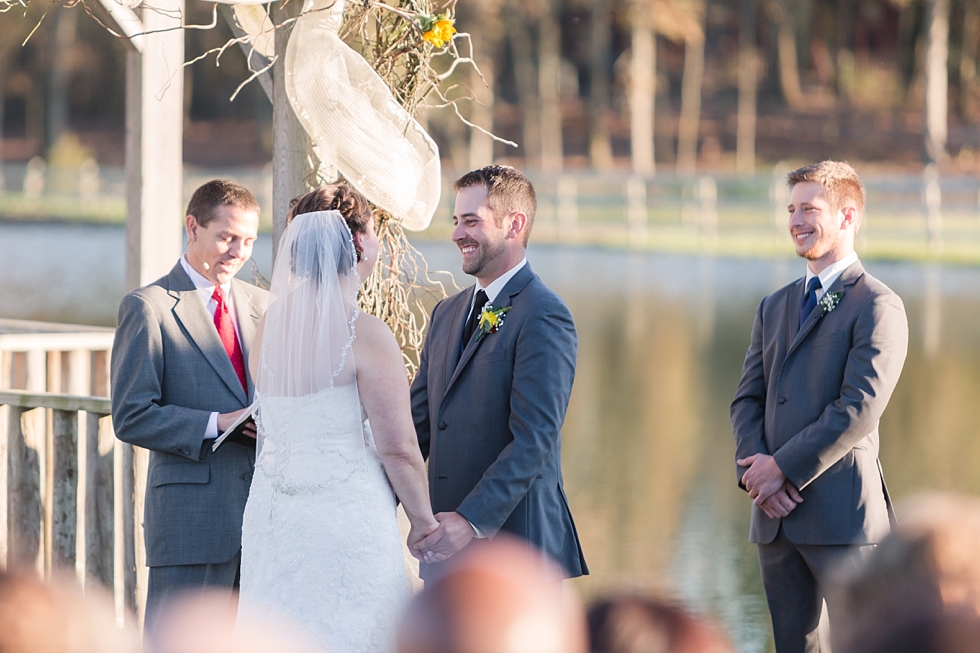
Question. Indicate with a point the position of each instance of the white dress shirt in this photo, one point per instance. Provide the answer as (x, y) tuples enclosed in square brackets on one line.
[(495, 286), (830, 273), (205, 289)]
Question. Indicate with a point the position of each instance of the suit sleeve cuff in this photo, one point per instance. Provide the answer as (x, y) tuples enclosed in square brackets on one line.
[(478, 533)]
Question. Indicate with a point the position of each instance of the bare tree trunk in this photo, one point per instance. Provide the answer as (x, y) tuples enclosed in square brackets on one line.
[(549, 68), (690, 119), (937, 82), (485, 41), (789, 73), (58, 102), (845, 47), (527, 87), (3, 66), (968, 56), (748, 79), (643, 91), (481, 145), (600, 148)]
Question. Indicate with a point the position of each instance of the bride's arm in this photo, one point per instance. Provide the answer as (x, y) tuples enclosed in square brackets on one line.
[(383, 388)]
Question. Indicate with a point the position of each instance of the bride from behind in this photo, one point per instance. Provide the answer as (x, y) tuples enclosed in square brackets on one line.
[(336, 444)]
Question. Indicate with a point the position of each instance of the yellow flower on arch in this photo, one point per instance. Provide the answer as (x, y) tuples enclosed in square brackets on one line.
[(440, 33)]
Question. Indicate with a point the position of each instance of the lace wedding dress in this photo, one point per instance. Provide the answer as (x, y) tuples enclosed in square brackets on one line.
[(320, 541)]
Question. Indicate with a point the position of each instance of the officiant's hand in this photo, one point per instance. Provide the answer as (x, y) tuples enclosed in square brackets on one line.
[(454, 533), (227, 419)]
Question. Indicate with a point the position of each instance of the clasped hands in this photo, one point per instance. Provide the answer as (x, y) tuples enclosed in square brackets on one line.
[(436, 543), (768, 486)]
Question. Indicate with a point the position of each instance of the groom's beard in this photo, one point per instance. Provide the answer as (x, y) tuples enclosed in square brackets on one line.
[(486, 252)]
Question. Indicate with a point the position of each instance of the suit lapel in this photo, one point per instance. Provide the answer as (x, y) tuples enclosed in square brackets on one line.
[(190, 311), (505, 298), (844, 281), (454, 341), (793, 300)]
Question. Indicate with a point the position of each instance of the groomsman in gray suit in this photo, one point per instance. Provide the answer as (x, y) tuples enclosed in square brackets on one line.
[(825, 355), (493, 385), (179, 378)]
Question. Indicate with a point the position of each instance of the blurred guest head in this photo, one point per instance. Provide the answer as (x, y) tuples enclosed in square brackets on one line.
[(634, 623), (205, 622), (956, 631), (54, 617), (495, 597), (926, 572)]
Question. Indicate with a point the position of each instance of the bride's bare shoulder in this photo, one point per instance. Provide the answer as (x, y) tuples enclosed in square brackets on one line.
[(374, 337)]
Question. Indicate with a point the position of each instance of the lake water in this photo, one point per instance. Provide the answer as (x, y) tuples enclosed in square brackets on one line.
[(647, 442)]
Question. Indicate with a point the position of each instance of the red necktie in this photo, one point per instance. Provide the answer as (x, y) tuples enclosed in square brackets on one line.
[(226, 331)]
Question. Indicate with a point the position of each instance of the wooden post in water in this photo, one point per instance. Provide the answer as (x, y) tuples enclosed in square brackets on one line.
[(636, 210), (708, 210)]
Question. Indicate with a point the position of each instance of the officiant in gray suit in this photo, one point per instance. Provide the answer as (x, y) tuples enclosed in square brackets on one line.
[(493, 385), (179, 378), (825, 354)]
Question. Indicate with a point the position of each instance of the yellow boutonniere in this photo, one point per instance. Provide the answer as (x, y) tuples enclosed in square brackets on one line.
[(437, 30), (491, 319)]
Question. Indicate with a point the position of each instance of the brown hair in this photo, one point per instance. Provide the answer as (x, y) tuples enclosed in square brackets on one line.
[(648, 624), (335, 197), (216, 193), (508, 191), (841, 184)]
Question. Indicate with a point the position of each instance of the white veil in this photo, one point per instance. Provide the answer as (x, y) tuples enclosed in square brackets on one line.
[(309, 325)]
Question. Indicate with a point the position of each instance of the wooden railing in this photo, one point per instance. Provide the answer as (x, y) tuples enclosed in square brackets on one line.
[(69, 496)]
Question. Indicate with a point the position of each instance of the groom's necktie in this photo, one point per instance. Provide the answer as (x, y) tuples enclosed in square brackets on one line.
[(226, 331), (809, 299), (474, 318)]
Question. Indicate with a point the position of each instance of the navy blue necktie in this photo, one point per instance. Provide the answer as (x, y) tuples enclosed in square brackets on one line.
[(809, 299), (474, 318)]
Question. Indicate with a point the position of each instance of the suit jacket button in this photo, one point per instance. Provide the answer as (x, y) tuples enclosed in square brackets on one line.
[(781, 400), (247, 476), (442, 426), (186, 452)]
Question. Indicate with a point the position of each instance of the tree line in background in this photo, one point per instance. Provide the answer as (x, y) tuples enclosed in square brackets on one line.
[(652, 84)]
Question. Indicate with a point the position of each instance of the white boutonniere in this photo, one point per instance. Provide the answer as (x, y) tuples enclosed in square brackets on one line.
[(830, 301), (491, 319)]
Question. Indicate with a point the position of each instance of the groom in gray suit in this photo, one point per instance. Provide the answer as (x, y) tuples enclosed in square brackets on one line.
[(825, 355), (493, 384), (179, 378)]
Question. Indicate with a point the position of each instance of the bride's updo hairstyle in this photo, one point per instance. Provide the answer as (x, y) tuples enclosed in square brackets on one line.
[(336, 197)]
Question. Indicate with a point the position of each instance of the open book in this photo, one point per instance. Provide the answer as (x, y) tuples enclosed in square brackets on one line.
[(236, 432)]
